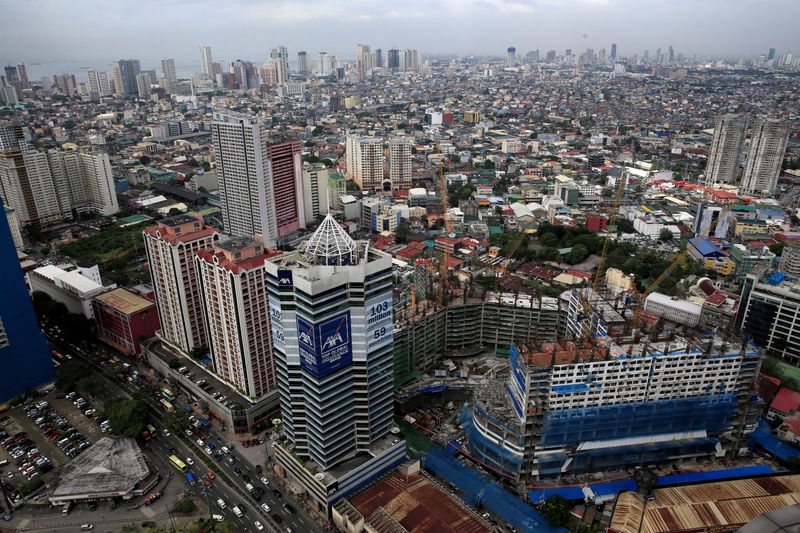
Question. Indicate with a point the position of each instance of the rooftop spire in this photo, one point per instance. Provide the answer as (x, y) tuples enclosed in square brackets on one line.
[(331, 245)]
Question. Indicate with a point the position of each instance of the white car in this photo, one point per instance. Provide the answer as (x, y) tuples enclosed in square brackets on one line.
[(265, 481), (189, 461), (258, 525), (265, 507), (200, 443), (225, 449), (208, 450), (188, 432), (166, 433)]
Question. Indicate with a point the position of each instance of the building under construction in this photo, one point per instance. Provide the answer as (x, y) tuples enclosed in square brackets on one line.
[(614, 397)]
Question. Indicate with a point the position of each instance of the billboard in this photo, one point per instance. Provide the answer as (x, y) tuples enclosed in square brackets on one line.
[(285, 278), (379, 323), (325, 347), (276, 320)]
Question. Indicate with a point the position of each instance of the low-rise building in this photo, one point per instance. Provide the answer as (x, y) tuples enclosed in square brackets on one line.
[(71, 285), (124, 319), (673, 309)]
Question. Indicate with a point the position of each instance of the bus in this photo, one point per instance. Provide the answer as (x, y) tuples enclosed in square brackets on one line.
[(168, 394), (167, 406), (179, 465)]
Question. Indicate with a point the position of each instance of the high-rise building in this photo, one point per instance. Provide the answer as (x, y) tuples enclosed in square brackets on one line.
[(260, 185), (365, 61), (28, 186), (337, 187), (233, 285), (511, 55), (331, 308), (129, 70), (66, 83), (119, 88), (12, 74), (771, 55), (23, 349), (88, 178), (22, 72), (171, 246), (378, 58), (168, 68), (613, 51), (671, 54), (365, 162), (726, 148), (400, 162), (143, 82), (393, 59), (302, 62), (770, 315), (411, 59), (281, 54), (315, 191), (324, 64), (98, 83), (765, 156), (206, 61)]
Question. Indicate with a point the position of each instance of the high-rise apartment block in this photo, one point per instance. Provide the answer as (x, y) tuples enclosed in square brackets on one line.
[(66, 84), (726, 148), (170, 76), (28, 187), (260, 184), (331, 309), (302, 62), (765, 156), (129, 69), (315, 191), (98, 83), (206, 61), (88, 178), (365, 162), (23, 348), (233, 285), (400, 162), (365, 61), (171, 246)]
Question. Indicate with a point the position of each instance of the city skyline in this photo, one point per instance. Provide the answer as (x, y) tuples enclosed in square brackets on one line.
[(308, 25)]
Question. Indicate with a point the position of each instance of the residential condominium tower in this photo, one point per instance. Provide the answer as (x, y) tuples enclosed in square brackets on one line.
[(171, 245), (233, 286), (726, 149), (400, 163), (331, 310), (365, 162), (260, 185), (765, 156)]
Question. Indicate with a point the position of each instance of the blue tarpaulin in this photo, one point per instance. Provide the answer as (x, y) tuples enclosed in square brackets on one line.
[(763, 437), (714, 475)]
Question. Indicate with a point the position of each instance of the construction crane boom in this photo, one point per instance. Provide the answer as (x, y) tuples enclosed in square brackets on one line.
[(448, 228)]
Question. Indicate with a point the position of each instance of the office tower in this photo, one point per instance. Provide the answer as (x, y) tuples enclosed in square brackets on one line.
[(365, 162), (765, 156), (315, 191), (511, 55), (206, 61), (12, 75), (378, 58), (88, 178), (143, 81), (324, 66), (393, 59), (551, 56), (129, 70), (400, 162), (22, 72), (98, 84), (260, 185), (331, 307), (671, 54), (282, 54), (726, 148), (23, 348), (168, 68), (170, 246), (771, 56), (8, 93), (302, 62), (233, 287), (66, 83), (119, 89), (613, 51)]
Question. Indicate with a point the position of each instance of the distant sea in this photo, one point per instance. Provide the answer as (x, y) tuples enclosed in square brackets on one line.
[(38, 69)]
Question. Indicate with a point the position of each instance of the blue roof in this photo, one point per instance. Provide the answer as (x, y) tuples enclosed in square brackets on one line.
[(764, 437), (713, 475), (704, 246)]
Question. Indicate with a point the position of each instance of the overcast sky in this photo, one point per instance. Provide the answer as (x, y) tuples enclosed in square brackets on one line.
[(62, 34)]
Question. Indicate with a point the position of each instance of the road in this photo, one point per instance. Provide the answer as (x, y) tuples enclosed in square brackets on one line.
[(159, 447)]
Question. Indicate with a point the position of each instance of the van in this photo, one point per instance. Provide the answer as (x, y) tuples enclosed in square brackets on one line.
[(218, 517), (221, 503), (183, 370)]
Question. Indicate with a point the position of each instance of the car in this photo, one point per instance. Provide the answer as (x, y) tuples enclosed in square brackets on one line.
[(485, 516), (258, 525), (221, 503), (166, 432), (289, 509), (189, 433), (246, 444), (277, 493), (189, 461), (237, 511), (231, 460), (92, 506), (237, 471), (225, 449), (246, 478), (211, 475), (265, 481), (259, 469), (265, 507), (200, 443), (277, 518), (208, 450), (208, 484), (87, 526)]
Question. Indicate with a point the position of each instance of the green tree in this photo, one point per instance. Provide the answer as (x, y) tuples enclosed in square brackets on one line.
[(128, 417), (403, 230), (577, 254), (776, 248), (145, 160), (665, 234), (184, 506), (625, 226), (555, 511), (70, 373), (31, 486)]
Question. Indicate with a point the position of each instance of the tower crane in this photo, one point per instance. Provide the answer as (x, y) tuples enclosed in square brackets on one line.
[(448, 229)]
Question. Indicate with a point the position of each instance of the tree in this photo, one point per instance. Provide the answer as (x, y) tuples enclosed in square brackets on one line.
[(577, 254), (128, 417), (665, 234), (206, 166), (31, 486), (625, 226), (184, 506), (646, 479), (145, 160), (70, 373), (776, 248), (555, 511), (401, 235), (173, 212)]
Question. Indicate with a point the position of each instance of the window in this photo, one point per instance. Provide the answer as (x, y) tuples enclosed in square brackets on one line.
[(3, 336)]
